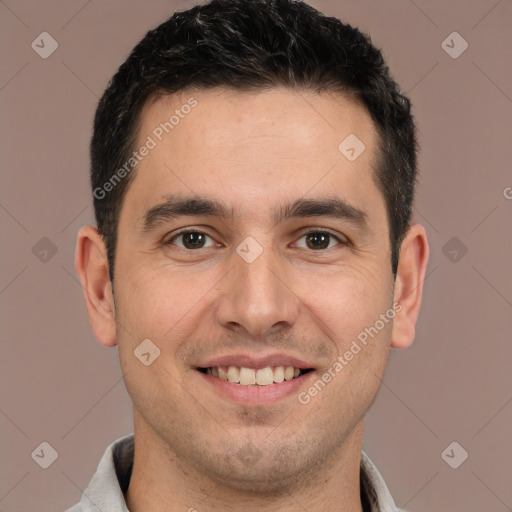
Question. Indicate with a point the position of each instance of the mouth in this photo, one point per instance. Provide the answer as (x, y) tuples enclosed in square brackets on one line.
[(245, 376), (254, 379)]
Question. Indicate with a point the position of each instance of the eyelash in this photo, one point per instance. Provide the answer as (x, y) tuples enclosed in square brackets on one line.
[(315, 231)]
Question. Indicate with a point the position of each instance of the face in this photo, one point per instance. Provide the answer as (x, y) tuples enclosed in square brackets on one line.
[(283, 259)]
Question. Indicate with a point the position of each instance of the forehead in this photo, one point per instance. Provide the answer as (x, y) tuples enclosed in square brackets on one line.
[(252, 147)]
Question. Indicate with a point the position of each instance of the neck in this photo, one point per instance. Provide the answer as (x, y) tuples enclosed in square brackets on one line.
[(162, 482)]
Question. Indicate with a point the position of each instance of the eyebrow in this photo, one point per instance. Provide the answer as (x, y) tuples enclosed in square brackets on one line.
[(176, 206)]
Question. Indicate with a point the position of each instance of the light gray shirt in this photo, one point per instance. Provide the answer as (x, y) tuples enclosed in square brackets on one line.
[(106, 490)]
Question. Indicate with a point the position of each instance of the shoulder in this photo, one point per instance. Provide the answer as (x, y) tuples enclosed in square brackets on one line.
[(75, 508)]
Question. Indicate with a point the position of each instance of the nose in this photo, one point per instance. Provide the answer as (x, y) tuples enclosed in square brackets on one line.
[(256, 299)]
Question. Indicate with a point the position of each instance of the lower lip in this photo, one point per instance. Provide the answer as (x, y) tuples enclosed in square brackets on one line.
[(254, 394)]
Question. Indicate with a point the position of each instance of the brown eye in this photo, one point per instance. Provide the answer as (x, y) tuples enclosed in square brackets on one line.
[(190, 240), (318, 240)]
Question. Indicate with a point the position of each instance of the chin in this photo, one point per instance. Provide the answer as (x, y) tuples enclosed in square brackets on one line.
[(271, 472), (270, 480)]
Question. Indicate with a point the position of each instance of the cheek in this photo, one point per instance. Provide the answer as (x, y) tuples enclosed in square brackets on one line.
[(163, 305), (348, 302), (362, 342), (154, 301), (348, 309)]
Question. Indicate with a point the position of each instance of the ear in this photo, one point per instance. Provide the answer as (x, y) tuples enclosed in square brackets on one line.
[(412, 266), (92, 267)]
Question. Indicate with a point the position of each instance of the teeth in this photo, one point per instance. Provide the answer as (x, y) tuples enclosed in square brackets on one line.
[(250, 376), (233, 374), (279, 374), (265, 376), (247, 376)]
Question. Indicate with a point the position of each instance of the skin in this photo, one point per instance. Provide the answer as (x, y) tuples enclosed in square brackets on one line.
[(254, 151)]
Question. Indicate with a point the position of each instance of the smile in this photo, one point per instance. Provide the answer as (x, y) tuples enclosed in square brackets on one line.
[(255, 377)]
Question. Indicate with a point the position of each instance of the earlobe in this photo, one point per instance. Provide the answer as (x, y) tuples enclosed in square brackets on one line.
[(92, 267), (408, 292)]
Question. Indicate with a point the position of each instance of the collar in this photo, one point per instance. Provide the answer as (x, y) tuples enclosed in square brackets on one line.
[(110, 482)]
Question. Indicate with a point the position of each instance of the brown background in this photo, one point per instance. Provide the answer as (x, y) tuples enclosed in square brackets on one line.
[(454, 384)]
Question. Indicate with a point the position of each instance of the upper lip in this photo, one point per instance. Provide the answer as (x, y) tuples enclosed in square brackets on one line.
[(253, 361)]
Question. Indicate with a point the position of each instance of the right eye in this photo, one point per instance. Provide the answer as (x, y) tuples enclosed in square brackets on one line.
[(191, 240)]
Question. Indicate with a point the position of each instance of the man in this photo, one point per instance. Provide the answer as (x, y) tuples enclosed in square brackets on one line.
[(253, 170)]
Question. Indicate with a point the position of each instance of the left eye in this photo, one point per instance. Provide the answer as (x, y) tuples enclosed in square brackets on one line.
[(191, 239), (316, 240)]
